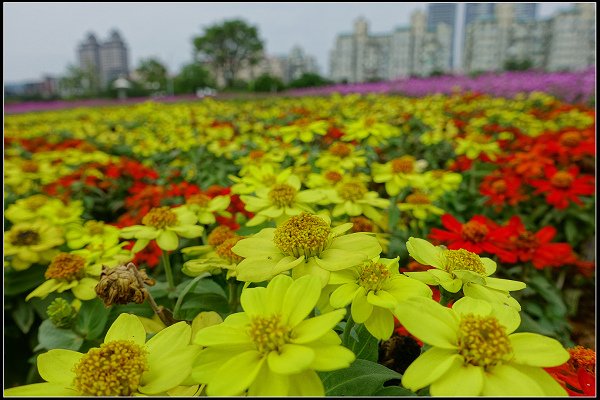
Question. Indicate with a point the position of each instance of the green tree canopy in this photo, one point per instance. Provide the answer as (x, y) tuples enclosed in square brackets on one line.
[(309, 79), (153, 74), (267, 83), (192, 77), (228, 47)]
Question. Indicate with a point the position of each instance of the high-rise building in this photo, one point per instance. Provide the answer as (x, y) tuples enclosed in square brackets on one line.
[(478, 11), (103, 62), (443, 13), (525, 12), (573, 38)]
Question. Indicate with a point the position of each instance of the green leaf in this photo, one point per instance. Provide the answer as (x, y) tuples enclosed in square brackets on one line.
[(362, 378), (571, 231), (51, 337), (92, 318), (204, 286), (23, 315), (17, 282), (159, 289), (364, 345), (196, 303), (389, 391)]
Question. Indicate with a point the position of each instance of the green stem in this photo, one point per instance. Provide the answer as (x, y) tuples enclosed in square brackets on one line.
[(190, 286), (233, 295), (168, 270), (347, 329)]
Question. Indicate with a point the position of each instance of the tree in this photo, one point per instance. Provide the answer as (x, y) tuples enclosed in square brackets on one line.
[(309, 79), (267, 83), (153, 74), (80, 82), (228, 47), (192, 77), (517, 65)]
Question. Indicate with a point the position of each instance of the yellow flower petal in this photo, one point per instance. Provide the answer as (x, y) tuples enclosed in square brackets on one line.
[(306, 383), (171, 339), (381, 323), (291, 359), (506, 380), (167, 240), (429, 321), (126, 327), (269, 383), (537, 350), (236, 375), (344, 294), (429, 367), (424, 252), (546, 382), (56, 366), (86, 289), (168, 371), (45, 389), (464, 380), (313, 328), (361, 309), (300, 299)]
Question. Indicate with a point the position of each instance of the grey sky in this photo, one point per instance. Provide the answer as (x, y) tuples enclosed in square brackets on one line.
[(41, 38)]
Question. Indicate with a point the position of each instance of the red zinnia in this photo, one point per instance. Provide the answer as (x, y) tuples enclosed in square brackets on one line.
[(562, 186), (524, 246), (502, 188), (577, 375), (476, 235)]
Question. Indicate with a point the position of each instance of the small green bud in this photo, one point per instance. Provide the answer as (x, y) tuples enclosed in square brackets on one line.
[(61, 313)]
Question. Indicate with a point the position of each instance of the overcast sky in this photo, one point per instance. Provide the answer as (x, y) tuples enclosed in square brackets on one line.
[(41, 38)]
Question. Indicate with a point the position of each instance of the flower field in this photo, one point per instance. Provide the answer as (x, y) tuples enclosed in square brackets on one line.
[(355, 245)]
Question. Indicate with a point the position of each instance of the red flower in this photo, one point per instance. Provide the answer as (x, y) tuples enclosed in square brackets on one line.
[(561, 186), (461, 164), (524, 246), (477, 235), (577, 375), (502, 188)]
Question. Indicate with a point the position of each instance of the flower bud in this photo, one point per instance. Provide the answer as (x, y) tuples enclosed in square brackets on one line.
[(61, 313)]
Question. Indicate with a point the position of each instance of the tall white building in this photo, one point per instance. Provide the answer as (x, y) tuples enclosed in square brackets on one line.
[(573, 38), (107, 60)]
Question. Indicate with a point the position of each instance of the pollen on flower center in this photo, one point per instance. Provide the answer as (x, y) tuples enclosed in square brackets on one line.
[(160, 217), (463, 260), (438, 173), (333, 176), (372, 275), (256, 154), (417, 198), (562, 180), (114, 369), (499, 186), (220, 234), (340, 149), (282, 195), (269, 333), (352, 191), (30, 166), (361, 224), (474, 231), (224, 250), (200, 199), (66, 266), (483, 341), (404, 164), (570, 139), (303, 234), (95, 227), (526, 240), (25, 237), (36, 201)]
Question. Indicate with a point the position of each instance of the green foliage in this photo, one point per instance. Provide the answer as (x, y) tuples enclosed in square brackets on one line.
[(192, 77), (309, 80), (267, 83), (513, 64), (229, 46), (153, 74)]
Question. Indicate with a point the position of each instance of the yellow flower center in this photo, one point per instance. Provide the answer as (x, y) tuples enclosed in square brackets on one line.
[(256, 154), (438, 173), (333, 176), (25, 237), (160, 218), (583, 358), (95, 227), (570, 139), (303, 234), (361, 224), (269, 333), (66, 266), (372, 275), (562, 180), (220, 234), (340, 149), (417, 198), (483, 341), (30, 166), (499, 186), (463, 260), (114, 369), (474, 231), (404, 164), (199, 199), (282, 195), (352, 191), (224, 250), (36, 201)]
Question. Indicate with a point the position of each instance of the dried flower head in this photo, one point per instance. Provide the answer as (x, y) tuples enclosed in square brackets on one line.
[(123, 284)]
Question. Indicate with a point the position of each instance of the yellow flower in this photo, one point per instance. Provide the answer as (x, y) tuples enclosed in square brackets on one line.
[(165, 225), (303, 129), (352, 198), (62, 214), (212, 258), (26, 209), (91, 233), (437, 182), (280, 201), (124, 365), (398, 173), (341, 155), (475, 352), (69, 272), (456, 269), (305, 244), (205, 208), (419, 206), (473, 145), (374, 288), (29, 243), (272, 349), (257, 177)]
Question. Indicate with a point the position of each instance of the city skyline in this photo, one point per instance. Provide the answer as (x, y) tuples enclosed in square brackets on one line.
[(165, 31)]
